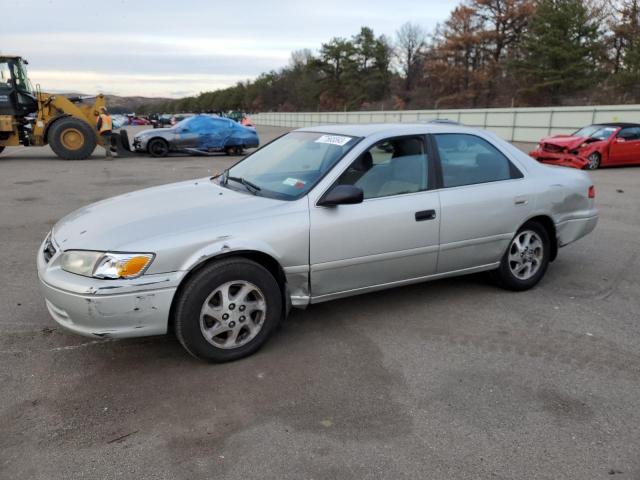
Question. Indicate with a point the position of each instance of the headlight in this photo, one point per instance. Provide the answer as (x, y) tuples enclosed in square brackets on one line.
[(105, 265), (79, 262), (122, 265)]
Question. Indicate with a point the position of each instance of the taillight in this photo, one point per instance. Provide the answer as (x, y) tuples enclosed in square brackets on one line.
[(592, 192)]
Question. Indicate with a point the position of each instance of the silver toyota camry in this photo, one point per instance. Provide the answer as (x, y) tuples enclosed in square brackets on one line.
[(318, 214)]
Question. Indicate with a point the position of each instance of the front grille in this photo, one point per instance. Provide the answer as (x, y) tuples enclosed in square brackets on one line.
[(550, 147), (49, 250)]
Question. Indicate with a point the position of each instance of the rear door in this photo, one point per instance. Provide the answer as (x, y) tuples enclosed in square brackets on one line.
[(483, 201), (625, 148)]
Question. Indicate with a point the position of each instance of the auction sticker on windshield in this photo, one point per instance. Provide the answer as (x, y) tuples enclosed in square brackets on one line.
[(294, 182), (333, 139)]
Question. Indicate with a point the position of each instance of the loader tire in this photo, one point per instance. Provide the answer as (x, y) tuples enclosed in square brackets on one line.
[(72, 139)]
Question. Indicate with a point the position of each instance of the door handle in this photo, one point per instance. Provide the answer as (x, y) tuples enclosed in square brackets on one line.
[(521, 200), (425, 215)]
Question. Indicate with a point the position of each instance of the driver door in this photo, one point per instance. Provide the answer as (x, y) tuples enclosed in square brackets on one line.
[(625, 148), (392, 236)]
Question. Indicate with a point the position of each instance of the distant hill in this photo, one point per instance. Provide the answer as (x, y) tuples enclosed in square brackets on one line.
[(118, 104)]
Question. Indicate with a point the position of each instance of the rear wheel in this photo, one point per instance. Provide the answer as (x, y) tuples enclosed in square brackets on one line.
[(526, 260), (72, 139), (158, 147), (227, 310), (594, 161)]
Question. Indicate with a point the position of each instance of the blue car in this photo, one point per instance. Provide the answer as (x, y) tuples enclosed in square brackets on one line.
[(200, 134)]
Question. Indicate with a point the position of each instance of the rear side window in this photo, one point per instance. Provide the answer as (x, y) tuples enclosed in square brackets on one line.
[(469, 160)]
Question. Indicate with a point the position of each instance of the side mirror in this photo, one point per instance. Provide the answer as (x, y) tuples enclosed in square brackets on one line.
[(341, 195)]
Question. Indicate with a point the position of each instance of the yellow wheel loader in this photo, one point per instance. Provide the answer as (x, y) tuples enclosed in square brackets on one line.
[(31, 117)]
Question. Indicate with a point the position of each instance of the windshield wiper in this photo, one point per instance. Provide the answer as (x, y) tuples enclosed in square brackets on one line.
[(252, 187)]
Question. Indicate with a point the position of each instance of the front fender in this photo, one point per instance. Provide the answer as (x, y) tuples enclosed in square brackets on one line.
[(225, 245), (297, 277)]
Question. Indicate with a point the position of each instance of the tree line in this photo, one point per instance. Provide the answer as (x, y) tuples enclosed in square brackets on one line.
[(488, 53)]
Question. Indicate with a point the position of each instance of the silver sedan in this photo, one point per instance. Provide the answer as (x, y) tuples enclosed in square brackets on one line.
[(321, 213)]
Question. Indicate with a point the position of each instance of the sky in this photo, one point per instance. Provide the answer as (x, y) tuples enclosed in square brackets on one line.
[(176, 48)]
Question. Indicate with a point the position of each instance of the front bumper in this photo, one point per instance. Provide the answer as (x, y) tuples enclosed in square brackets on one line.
[(107, 308), (139, 145), (561, 159)]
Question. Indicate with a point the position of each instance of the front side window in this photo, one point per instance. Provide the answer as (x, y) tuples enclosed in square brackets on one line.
[(631, 133), (391, 167), (290, 166), (5, 76), (468, 160)]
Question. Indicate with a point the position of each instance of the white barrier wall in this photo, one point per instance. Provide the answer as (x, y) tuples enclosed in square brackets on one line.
[(513, 124)]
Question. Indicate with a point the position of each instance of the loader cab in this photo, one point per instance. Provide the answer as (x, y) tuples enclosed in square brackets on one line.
[(17, 96)]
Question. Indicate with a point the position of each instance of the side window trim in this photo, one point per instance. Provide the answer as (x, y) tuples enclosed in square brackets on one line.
[(514, 170)]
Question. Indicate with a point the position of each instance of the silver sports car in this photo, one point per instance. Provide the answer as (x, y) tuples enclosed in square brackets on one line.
[(318, 214)]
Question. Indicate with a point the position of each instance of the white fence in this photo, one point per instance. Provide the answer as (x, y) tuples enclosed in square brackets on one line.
[(513, 124)]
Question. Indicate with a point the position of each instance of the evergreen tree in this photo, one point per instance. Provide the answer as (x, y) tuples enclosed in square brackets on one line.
[(562, 50)]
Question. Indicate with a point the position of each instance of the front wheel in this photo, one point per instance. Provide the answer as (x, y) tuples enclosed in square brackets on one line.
[(158, 147), (594, 161), (227, 310), (72, 139), (526, 260)]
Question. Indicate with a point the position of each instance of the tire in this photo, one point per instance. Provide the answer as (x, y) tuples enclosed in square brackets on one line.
[(594, 161), (217, 290), (158, 147), (1, 149), (513, 273), (124, 140), (72, 139)]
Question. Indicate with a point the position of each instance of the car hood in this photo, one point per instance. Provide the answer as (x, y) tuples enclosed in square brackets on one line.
[(569, 141), (117, 223)]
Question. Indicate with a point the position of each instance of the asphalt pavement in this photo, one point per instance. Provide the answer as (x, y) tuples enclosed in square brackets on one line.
[(453, 379)]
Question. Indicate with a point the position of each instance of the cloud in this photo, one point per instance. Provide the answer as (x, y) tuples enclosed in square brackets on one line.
[(87, 82), (185, 46)]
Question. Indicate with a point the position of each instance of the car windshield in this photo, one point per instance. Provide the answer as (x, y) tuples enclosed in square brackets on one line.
[(599, 132), (290, 166)]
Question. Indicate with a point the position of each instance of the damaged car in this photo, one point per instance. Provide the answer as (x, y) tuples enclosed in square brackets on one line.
[(318, 214), (200, 134), (592, 147)]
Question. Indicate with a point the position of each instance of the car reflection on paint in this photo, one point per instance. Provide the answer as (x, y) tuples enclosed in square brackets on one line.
[(200, 134)]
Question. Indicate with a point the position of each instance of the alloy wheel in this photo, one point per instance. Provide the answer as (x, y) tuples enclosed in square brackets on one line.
[(526, 254), (594, 161)]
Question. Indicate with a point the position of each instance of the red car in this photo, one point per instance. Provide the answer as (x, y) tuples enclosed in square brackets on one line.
[(591, 147)]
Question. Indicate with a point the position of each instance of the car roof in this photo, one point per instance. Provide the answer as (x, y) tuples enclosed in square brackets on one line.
[(618, 124), (368, 129)]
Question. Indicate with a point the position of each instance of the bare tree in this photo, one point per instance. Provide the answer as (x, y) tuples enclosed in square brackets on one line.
[(411, 42)]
